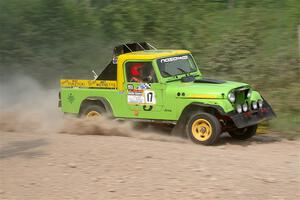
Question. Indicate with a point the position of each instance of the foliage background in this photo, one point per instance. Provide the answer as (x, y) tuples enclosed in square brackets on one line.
[(253, 41)]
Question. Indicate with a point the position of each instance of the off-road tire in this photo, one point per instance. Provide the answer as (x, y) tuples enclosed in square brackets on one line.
[(243, 133), (140, 125), (212, 122), (92, 108)]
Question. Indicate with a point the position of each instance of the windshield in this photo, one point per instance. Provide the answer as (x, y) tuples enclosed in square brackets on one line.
[(176, 65)]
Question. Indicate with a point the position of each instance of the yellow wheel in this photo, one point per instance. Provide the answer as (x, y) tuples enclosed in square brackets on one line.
[(93, 114), (92, 111), (203, 128)]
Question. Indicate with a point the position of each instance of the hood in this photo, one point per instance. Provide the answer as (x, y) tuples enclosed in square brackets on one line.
[(206, 88)]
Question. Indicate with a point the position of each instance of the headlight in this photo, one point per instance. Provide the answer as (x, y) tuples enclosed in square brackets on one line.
[(260, 103), (231, 97), (239, 108), (245, 107), (249, 94), (254, 105)]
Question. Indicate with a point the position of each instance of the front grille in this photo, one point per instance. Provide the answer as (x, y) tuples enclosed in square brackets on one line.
[(241, 95)]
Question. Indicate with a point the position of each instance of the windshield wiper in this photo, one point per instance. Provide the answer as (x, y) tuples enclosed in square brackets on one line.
[(182, 70), (166, 73)]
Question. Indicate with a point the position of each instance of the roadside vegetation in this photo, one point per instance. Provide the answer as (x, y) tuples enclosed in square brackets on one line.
[(249, 41)]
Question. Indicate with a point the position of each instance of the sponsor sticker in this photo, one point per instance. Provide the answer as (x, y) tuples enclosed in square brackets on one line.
[(172, 59), (135, 98), (144, 86), (130, 87), (71, 98), (88, 83)]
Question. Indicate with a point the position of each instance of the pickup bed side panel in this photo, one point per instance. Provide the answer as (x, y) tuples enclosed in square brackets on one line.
[(72, 98)]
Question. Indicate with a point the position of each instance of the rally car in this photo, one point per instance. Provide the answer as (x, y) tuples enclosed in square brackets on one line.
[(144, 84)]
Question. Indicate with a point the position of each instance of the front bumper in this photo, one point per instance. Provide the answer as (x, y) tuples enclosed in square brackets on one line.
[(252, 117)]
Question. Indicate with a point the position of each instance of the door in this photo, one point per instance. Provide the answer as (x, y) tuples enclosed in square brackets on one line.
[(145, 96)]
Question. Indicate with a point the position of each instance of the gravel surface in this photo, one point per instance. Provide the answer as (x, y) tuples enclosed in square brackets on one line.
[(65, 166)]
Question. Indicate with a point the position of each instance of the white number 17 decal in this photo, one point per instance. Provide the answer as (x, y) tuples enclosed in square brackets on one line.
[(150, 97)]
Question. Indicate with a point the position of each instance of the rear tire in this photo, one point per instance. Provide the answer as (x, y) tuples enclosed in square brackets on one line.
[(92, 110), (243, 133), (203, 128)]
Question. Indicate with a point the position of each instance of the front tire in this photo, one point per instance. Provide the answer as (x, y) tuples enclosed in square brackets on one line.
[(243, 133), (203, 128)]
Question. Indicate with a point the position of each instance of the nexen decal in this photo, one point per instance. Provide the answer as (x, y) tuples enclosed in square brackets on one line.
[(173, 59)]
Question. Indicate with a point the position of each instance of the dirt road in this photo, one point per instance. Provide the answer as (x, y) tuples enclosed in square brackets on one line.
[(64, 166)]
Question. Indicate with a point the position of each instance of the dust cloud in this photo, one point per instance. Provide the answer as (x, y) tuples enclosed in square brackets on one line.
[(27, 106)]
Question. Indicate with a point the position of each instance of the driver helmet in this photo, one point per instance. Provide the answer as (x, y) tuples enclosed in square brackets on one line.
[(135, 69)]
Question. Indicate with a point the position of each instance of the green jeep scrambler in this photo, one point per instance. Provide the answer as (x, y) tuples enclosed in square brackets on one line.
[(144, 84)]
